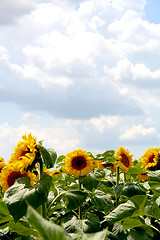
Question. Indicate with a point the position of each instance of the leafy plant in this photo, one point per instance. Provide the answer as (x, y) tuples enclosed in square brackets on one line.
[(102, 204)]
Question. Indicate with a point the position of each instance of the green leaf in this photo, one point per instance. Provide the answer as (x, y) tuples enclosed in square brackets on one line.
[(4, 213), (136, 169), (49, 156), (75, 199), (102, 235), (154, 185), (108, 153), (107, 190), (122, 211), (101, 200), (46, 229), (99, 174), (53, 156), (93, 223), (22, 228), (132, 222), (152, 209), (90, 181), (154, 175), (89, 225), (138, 233), (131, 189), (107, 157), (60, 161), (154, 179), (17, 195), (139, 201)]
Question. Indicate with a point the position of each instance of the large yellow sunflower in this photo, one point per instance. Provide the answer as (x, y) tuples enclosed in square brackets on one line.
[(78, 163), (150, 158), (123, 159), (9, 175), (2, 163), (25, 153)]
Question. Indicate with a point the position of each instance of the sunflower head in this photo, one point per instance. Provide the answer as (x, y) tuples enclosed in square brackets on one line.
[(54, 172), (142, 176), (123, 159), (51, 173), (78, 163), (150, 158), (2, 164), (111, 166), (24, 153), (9, 175)]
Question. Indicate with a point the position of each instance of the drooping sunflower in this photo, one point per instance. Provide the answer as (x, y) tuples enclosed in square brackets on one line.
[(78, 163), (24, 153), (142, 176), (123, 159), (9, 175), (2, 163), (112, 166), (150, 158)]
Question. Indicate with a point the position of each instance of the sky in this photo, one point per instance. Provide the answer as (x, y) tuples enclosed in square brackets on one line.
[(80, 74)]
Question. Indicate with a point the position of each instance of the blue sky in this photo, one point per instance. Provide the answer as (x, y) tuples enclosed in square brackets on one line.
[(80, 74), (152, 8)]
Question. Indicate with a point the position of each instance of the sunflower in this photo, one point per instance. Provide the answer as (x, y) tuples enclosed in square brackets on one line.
[(78, 163), (150, 158), (2, 163), (54, 172), (123, 159), (142, 176), (9, 175), (102, 165), (25, 153)]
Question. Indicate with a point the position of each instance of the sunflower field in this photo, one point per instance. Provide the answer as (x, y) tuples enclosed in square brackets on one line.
[(79, 196)]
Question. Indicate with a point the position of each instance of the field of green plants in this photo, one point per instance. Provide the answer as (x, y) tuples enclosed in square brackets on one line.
[(79, 196)]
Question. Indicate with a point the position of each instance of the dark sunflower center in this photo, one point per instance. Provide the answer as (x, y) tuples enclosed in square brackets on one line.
[(1, 169), (79, 163), (13, 176), (107, 165), (150, 160), (125, 160)]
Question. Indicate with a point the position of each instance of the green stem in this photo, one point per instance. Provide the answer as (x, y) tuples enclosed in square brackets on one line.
[(153, 228), (125, 180), (80, 209), (53, 201), (117, 184), (117, 176), (44, 213)]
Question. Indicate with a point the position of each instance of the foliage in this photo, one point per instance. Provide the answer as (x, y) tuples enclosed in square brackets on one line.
[(101, 205)]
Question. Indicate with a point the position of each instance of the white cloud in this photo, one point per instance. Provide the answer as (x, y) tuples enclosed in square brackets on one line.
[(125, 70), (137, 132), (121, 4), (94, 61), (11, 10), (4, 56), (47, 14), (58, 138), (103, 122), (27, 116)]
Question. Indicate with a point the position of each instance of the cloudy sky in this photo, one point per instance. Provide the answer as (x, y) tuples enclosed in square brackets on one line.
[(80, 74)]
